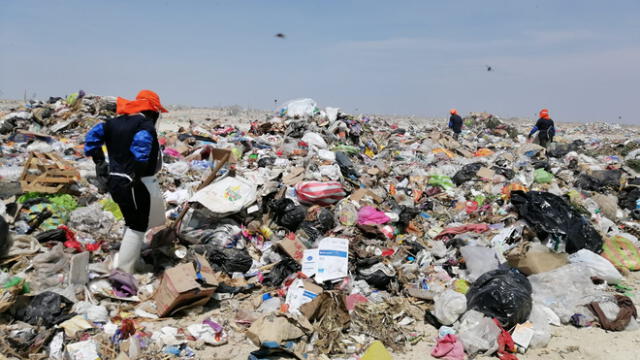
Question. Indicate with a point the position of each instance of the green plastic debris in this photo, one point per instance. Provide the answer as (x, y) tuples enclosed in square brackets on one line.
[(111, 206), (441, 180), (347, 149), (65, 202), (541, 176), (16, 281)]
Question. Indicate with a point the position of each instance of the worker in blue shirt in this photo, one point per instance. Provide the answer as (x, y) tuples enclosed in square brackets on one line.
[(134, 159), (545, 128), (455, 123)]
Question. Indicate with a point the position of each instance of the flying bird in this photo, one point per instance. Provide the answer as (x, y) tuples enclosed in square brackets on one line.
[(281, 35), (489, 67)]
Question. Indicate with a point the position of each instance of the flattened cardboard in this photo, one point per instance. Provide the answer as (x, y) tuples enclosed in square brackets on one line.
[(179, 289), (293, 247), (361, 193), (534, 262), (486, 173)]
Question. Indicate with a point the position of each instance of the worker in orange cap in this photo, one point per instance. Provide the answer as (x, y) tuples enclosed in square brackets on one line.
[(546, 128), (134, 159), (455, 123)]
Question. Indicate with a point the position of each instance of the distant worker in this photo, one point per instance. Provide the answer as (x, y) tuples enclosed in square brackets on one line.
[(545, 127), (455, 123), (134, 159)]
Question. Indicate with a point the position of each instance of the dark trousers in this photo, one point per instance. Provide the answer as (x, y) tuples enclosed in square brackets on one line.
[(134, 201)]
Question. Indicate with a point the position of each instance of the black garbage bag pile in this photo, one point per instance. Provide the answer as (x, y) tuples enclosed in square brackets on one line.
[(281, 271), (502, 294), (554, 219), (600, 181)]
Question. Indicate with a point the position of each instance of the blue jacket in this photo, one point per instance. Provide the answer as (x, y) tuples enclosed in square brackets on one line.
[(132, 144)]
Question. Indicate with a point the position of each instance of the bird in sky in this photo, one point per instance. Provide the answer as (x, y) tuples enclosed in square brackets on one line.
[(280, 35), (489, 67)]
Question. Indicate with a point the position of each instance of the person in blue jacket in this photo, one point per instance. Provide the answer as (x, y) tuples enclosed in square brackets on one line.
[(455, 123), (546, 128), (134, 159)]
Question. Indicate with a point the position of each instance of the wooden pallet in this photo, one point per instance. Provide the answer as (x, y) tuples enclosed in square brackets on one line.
[(47, 173)]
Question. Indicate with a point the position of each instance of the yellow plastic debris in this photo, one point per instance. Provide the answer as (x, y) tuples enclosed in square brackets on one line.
[(376, 351)]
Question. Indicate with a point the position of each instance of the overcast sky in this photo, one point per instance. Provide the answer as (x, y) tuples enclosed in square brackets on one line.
[(579, 58)]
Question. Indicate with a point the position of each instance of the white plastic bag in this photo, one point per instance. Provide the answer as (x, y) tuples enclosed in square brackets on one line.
[(227, 196), (314, 140), (299, 107), (479, 260), (599, 266), (449, 306), (478, 333)]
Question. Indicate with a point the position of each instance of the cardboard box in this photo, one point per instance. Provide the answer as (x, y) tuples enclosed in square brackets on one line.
[(293, 247), (486, 173), (179, 288)]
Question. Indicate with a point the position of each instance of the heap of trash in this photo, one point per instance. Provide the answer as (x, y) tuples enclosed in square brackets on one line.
[(317, 234)]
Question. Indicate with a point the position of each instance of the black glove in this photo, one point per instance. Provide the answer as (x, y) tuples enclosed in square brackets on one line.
[(102, 173)]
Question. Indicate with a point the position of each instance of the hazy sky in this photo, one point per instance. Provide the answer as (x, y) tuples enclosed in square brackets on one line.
[(579, 58)]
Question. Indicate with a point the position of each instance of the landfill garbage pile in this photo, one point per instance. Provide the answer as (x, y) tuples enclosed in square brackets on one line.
[(321, 235)]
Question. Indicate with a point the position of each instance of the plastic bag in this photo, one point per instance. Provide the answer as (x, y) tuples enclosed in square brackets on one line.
[(378, 275), (541, 328), (449, 305), (478, 333), (227, 196), (47, 309), (346, 213), (287, 213), (541, 176), (369, 215), (281, 271), (300, 108), (479, 260), (441, 181), (554, 219), (565, 289), (314, 140), (622, 253), (347, 167), (599, 180), (323, 193), (502, 294), (230, 260), (599, 266), (468, 172), (5, 238)]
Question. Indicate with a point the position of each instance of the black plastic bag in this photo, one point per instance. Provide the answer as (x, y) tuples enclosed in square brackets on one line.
[(5, 238), (599, 180), (347, 168), (266, 161), (628, 196), (378, 279), (502, 294), (467, 173), (281, 271), (230, 260), (507, 173), (323, 222), (287, 213), (52, 235), (551, 216), (406, 215), (46, 309)]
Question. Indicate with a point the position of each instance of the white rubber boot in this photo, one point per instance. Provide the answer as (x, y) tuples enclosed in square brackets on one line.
[(129, 252)]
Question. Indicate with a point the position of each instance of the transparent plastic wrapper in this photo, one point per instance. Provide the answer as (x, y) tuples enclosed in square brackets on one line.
[(479, 260), (598, 265), (10, 173), (478, 333), (565, 289), (449, 305), (51, 266)]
